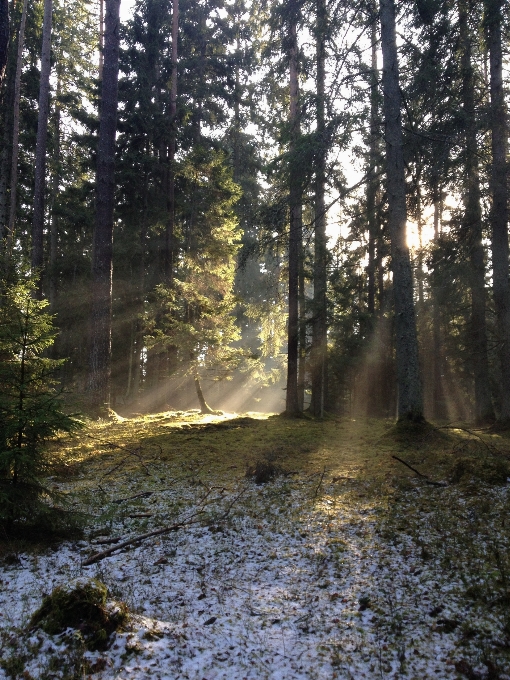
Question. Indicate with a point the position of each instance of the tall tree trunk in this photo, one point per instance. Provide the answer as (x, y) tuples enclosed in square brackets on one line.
[(54, 192), (473, 228), (410, 401), (499, 192), (302, 332), (372, 182), (170, 227), (15, 132), (439, 409), (40, 149), (295, 230), (375, 357), (100, 319), (319, 320), (4, 37), (101, 39)]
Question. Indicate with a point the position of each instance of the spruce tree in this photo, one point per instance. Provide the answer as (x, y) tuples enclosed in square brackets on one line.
[(31, 411)]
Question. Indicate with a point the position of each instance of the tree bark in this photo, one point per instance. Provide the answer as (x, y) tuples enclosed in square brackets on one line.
[(204, 408), (372, 184), (410, 400), (318, 354), (499, 193), (15, 133), (439, 407), (484, 412), (4, 37), (295, 230), (53, 278), (100, 319), (40, 152), (101, 39), (170, 227)]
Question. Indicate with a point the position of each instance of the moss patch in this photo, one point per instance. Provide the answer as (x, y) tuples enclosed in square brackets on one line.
[(490, 470), (82, 605)]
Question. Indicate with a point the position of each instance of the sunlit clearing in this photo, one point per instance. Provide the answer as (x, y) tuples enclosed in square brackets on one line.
[(239, 395)]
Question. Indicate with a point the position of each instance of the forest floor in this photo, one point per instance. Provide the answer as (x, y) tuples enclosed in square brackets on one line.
[(294, 549)]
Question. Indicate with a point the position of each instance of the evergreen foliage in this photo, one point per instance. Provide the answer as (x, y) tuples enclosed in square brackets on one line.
[(31, 409)]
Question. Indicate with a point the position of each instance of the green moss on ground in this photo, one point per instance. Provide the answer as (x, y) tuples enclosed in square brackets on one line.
[(81, 605)]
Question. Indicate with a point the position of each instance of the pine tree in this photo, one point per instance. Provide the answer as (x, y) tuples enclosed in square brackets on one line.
[(410, 404), (100, 319)]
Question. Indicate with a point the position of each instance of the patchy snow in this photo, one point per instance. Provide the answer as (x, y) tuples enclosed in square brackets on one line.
[(296, 582)]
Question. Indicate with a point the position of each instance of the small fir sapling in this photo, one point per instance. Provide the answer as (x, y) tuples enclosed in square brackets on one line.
[(30, 405)]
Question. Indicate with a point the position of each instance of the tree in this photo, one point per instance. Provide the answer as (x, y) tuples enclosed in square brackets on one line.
[(40, 154), (30, 406), (9, 235), (296, 224), (100, 318), (410, 403), (318, 354), (472, 223), (4, 37), (499, 194)]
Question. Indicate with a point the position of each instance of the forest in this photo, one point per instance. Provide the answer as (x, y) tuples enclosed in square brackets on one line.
[(254, 339)]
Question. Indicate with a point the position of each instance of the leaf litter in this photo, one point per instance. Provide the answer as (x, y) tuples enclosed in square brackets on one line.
[(339, 566)]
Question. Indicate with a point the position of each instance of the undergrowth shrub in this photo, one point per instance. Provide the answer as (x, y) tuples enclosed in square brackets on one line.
[(264, 470)]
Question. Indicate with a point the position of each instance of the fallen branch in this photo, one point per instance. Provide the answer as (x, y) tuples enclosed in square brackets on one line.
[(195, 518), (417, 472), (136, 539)]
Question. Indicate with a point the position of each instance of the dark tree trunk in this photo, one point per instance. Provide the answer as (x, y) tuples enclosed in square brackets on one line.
[(170, 227), (15, 133), (40, 149), (473, 228), (439, 408), (499, 192), (302, 332), (375, 358), (54, 192), (101, 39), (4, 37), (372, 182), (410, 401), (100, 319), (319, 320), (295, 231)]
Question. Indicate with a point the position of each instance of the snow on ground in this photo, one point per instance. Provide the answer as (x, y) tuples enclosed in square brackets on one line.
[(296, 582)]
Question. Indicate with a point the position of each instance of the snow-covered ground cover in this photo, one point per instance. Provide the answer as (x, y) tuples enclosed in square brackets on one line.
[(306, 576)]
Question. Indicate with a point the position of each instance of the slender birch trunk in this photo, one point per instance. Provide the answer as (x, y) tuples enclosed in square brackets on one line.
[(410, 400)]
